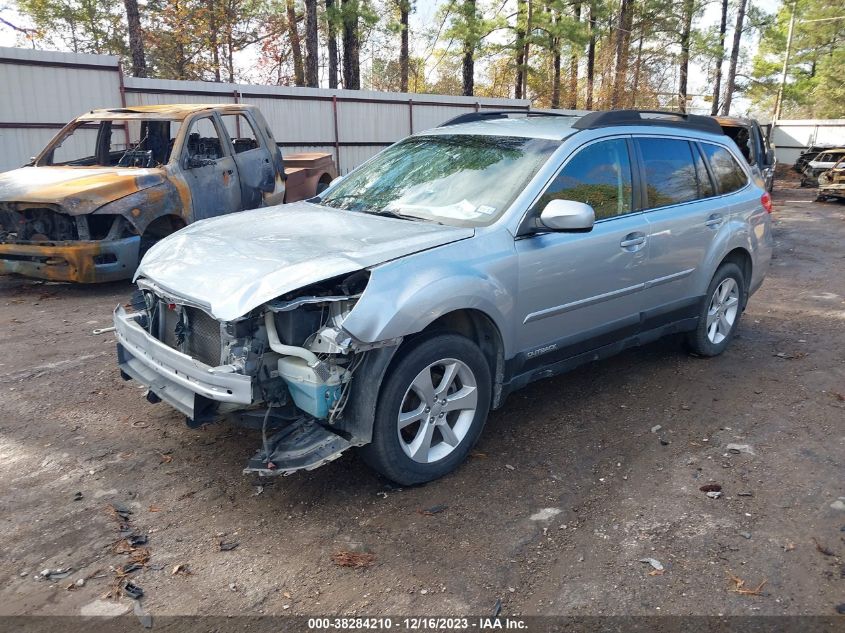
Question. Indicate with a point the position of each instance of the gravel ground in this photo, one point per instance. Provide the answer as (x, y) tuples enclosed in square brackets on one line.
[(569, 487)]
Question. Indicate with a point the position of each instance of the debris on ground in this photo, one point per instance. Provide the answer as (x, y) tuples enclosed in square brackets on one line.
[(711, 488), (258, 490), (714, 494), (788, 356), (658, 566), (840, 609), (822, 549), (545, 514), (55, 574), (77, 496), (509, 467), (144, 618), (136, 540), (132, 590), (478, 454), (165, 458), (180, 570), (656, 428), (436, 509), (745, 494), (497, 608), (739, 586), (745, 535), (736, 449), (120, 511), (353, 559), (227, 546), (839, 504)]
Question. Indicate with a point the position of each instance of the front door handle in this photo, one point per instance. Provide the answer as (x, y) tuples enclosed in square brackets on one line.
[(633, 241), (714, 220)]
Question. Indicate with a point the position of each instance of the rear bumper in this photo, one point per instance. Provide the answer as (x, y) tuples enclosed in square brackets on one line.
[(183, 382), (83, 262)]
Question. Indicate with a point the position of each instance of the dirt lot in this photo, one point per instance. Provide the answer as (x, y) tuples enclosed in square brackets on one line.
[(580, 446)]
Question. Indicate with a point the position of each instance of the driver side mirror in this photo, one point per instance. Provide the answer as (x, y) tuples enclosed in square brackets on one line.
[(568, 215)]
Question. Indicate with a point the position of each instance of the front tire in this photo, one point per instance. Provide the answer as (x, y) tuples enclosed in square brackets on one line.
[(720, 312), (431, 410)]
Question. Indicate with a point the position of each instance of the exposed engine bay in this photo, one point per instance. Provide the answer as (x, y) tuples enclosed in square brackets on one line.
[(300, 360)]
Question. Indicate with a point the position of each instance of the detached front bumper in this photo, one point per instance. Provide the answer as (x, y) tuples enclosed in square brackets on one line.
[(80, 261), (184, 383)]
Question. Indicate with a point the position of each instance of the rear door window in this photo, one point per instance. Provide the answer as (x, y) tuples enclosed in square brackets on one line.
[(670, 172), (727, 172), (598, 175)]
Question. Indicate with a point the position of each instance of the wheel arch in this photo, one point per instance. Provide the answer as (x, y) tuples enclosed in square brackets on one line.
[(742, 258)]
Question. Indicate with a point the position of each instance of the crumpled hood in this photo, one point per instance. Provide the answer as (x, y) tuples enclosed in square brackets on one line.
[(236, 262), (77, 190)]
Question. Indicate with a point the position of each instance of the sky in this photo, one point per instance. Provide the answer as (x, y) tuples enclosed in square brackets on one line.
[(425, 11)]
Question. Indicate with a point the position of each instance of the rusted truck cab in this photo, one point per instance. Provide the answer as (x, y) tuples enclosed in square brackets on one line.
[(112, 182)]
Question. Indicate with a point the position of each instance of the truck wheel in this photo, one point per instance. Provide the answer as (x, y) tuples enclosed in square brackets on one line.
[(720, 312), (432, 407)]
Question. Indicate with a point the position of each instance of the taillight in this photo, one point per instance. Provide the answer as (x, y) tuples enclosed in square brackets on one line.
[(766, 201)]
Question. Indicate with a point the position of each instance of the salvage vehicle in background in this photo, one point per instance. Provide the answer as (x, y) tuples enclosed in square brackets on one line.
[(115, 181), (395, 309), (809, 154), (832, 183), (754, 145), (820, 164)]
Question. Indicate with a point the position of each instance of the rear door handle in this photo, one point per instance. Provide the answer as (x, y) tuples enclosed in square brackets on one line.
[(632, 240), (714, 220)]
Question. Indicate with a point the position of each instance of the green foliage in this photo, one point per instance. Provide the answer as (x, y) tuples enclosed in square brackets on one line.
[(815, 84), (83, 26)]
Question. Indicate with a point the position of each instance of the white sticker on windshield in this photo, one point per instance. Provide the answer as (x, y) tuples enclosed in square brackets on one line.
[(485, 209)]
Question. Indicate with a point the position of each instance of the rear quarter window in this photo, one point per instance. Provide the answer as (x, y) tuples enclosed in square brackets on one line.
[(726, 170)]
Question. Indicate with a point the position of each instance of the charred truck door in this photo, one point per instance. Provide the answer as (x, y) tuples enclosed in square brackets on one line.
[(210, 169), (253, 158)]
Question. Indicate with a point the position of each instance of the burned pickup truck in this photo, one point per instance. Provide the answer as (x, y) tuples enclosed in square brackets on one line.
[(832, 183), (115, 181)]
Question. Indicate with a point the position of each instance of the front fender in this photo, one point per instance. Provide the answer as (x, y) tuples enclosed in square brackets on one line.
[(143, 207), (404, 296)]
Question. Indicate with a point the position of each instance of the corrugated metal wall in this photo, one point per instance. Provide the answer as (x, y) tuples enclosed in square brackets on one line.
[(790, 137), (44, 90)]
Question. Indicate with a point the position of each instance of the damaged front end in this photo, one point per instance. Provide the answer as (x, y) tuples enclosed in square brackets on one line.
[(41, 241), (287, 366)]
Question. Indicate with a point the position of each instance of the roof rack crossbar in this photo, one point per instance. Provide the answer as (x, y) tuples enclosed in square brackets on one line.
[(634, 117), (469, 117)]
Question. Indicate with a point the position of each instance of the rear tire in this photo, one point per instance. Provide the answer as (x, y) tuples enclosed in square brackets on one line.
[(431, 409), (720, 312)]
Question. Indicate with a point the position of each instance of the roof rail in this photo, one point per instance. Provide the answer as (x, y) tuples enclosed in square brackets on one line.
[(658, 117), (469, 117)]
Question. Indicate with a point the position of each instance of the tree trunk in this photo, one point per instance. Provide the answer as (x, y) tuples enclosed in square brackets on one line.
[(136, 39), (295, 46), (214, 43), (621, 70), (404, 10), (526, 51), (572, 104), (311, 48), (637, 70), (554, 47), (731, 81), (332, 45), (468, 62), (683, 70), (720, 58), (519, 48), (591, 58), (351, 64)]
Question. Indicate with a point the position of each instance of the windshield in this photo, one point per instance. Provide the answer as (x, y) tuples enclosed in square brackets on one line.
[(114, 143), (460, 180)]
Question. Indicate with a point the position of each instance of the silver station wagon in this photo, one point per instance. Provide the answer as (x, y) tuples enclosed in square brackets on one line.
[(395, 310)]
